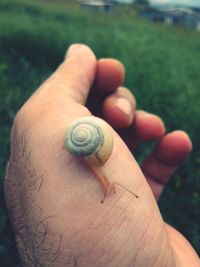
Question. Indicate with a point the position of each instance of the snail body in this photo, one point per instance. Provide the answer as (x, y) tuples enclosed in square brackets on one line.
[(91, 139)]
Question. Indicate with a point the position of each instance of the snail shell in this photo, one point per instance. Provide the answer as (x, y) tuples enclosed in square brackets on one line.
[(90, 138)]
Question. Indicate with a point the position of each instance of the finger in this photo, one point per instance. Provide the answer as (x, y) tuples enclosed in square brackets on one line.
[(119, 108), (74, 77), (145, 127), (109, 76), (164, 160)]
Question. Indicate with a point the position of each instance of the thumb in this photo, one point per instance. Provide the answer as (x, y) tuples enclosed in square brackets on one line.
[(74, 77)]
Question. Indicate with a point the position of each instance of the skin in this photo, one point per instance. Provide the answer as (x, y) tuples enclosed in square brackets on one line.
[(54, 199)]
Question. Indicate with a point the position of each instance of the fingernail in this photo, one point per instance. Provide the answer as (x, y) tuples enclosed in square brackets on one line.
[(73, 49), (125, 106)]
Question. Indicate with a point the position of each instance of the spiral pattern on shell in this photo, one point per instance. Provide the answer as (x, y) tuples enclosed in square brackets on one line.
[(84, 138), (90, 138)]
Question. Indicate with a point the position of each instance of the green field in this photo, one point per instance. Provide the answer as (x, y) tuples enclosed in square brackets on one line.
[(162, 70)]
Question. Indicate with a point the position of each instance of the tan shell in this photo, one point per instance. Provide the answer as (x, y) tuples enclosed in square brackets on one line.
[(91, 139)]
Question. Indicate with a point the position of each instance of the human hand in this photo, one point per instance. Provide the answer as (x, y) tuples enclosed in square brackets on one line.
[(54, 200)]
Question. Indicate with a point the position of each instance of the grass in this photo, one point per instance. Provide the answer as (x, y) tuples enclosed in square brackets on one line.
[(162, 70)]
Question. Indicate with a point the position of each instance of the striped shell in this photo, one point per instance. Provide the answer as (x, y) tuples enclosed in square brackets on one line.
[(90, 138)]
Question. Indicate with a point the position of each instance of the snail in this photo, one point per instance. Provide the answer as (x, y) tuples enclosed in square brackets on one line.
[(91, 139)]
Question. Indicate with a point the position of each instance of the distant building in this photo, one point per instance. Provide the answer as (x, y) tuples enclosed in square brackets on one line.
[(101, 6), (192, 21), (189, 17), (123, 1), (196, 10)]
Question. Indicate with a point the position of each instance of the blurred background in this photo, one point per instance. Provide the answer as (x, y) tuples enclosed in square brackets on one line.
[(159, 44)]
